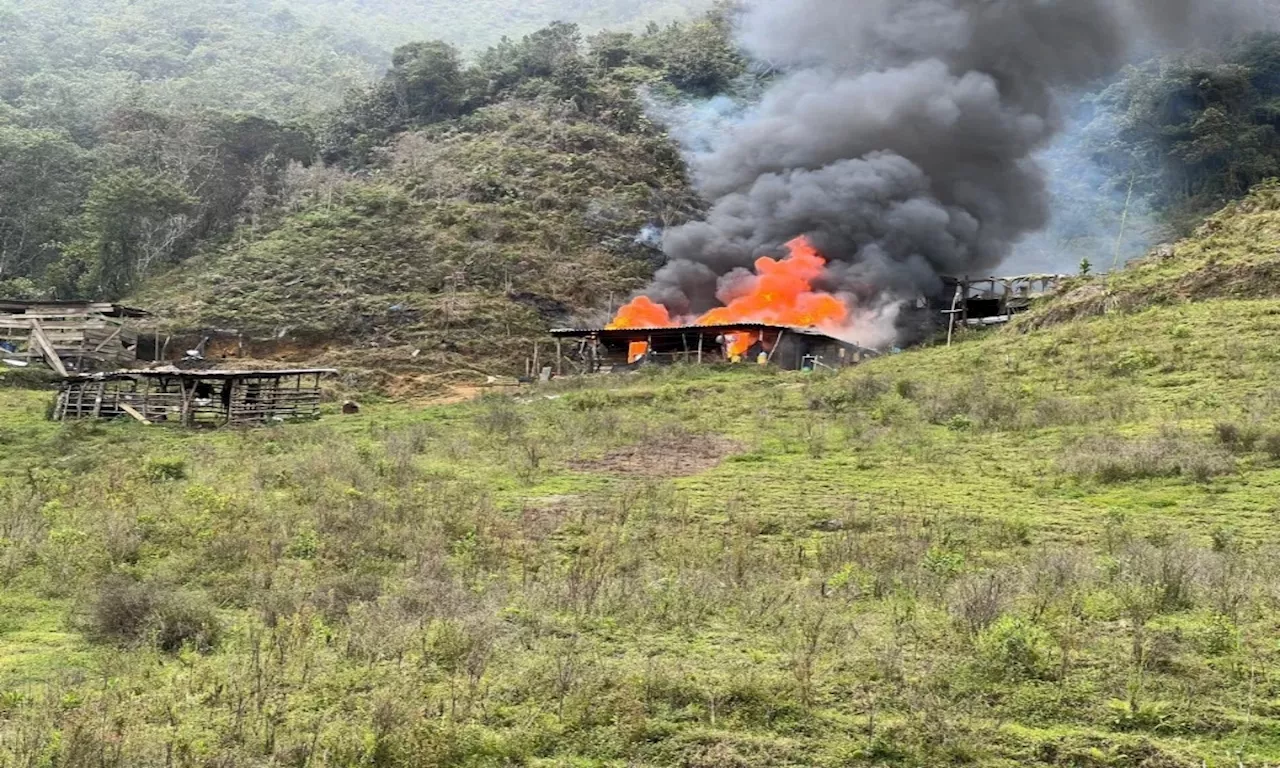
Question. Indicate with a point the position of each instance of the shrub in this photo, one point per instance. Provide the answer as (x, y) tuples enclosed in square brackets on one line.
[(975, 403), (500, 417), (165, 468), (1271, 445), (1168, 454), (979, 600), (1015, 649), (1237, 438), (128, 612), (848, 393)]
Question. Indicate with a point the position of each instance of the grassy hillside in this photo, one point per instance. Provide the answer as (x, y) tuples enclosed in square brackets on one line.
[(1231, 255), (472, 240), (1050, 548)]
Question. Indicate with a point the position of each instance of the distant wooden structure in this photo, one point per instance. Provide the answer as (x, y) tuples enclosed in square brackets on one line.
[(69, 336), (994, 300), (193, 398)]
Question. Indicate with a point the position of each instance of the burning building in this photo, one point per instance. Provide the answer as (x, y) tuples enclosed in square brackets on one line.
[(900, 139), (789, 347), (776, 314)]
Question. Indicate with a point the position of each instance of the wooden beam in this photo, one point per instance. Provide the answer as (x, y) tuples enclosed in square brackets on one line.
[(50, 354), (109, 339), (129, 409)]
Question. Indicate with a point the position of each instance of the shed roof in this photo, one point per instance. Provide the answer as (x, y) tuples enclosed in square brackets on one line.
[(706, 330), (171, 372), (20, 306)]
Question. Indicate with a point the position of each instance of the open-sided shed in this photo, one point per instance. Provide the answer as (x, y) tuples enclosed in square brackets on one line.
[(192, 398)]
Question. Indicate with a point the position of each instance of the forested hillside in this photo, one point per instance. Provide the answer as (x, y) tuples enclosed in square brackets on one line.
[(192, 157), (131, 137)]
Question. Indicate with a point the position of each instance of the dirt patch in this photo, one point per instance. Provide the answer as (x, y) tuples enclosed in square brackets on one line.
[(664, 457)]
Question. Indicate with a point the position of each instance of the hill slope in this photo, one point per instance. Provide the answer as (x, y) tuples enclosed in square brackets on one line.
[(1046, 546), (474, 239), (1232, 255)]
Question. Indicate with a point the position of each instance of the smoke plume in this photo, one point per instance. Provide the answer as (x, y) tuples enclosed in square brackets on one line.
[(901, 138)]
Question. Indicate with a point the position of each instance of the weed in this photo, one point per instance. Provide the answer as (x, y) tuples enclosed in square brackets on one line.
[(1015, 649), (165, 468)]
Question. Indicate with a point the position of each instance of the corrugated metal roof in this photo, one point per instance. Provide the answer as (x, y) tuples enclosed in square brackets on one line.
[(700, 329)]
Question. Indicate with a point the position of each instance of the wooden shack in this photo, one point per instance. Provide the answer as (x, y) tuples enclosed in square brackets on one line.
[(69, 336), (791, 348), (193, 398)]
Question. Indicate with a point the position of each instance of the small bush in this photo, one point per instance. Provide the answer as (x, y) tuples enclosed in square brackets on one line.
[(127, 612), (845, 394), (1237, 438), (500, 417), (1015, 649), (162, 469), (1271, 445), (978, 601), (975, 403), (27, 378)]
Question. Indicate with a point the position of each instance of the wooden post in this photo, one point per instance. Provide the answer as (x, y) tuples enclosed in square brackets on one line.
[(951, 323), (537, 369), (684, 339), (97, 403), (129, 409), (559, 359), (186, 416), (699, 349)]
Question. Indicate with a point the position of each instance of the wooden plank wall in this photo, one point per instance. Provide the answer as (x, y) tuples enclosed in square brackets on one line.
[(85, 339)]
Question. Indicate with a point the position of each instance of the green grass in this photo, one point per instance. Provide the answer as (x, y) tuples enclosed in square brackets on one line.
[(1232, 255), (1027, 549)]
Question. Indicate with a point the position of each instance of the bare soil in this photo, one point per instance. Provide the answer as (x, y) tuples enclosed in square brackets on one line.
[(665, 457)]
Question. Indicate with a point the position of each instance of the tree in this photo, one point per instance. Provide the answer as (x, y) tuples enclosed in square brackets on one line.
[(1193, 133), (42, 175), (129, 220), (428, 81)]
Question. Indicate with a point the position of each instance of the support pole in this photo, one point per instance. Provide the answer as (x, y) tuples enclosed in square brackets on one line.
[(951, 325), (699, 349), (559, 358)]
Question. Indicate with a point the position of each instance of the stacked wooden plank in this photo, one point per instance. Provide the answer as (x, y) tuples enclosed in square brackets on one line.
[(76, 336)]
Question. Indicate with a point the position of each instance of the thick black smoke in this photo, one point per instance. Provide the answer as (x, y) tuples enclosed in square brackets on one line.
[(901, 138)]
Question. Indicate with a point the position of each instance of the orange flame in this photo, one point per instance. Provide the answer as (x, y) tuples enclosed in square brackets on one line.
[(642, 312), (780, 293)]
